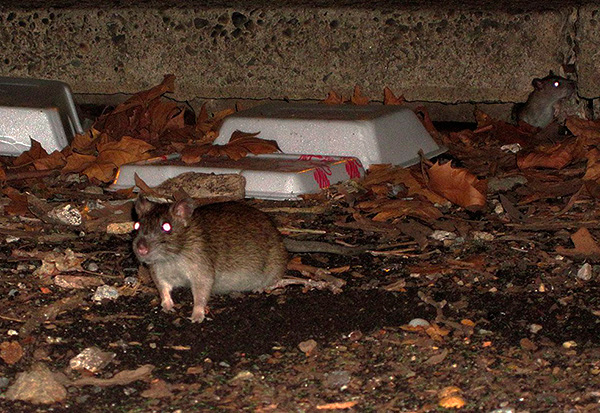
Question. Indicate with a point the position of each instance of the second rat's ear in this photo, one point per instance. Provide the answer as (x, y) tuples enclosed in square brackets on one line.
[(143, 206), (183, 209), (537, 84)]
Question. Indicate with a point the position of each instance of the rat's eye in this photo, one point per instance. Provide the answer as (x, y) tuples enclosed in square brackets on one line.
[(136, 226), (166, 227), (556, 83)]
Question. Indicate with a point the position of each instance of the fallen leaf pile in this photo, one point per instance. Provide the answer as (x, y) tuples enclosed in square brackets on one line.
[(141, 127)]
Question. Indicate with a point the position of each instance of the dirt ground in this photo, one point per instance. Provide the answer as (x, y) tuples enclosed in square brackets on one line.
[(491, 307)]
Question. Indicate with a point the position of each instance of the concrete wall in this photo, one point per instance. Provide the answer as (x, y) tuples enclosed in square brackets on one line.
[(481, 51)]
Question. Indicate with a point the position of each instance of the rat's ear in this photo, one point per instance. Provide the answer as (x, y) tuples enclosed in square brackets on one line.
[(143, 206), (537, 84), (183, 209)]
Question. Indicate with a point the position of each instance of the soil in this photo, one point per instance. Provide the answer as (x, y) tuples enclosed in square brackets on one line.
[(501, 323)]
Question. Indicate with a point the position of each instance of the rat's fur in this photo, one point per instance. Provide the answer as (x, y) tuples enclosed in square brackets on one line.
[(540, 106), (214, 249)]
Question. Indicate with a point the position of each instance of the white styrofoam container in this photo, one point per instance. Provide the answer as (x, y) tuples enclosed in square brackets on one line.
[(272, 176), (373, 133), (36, 109)]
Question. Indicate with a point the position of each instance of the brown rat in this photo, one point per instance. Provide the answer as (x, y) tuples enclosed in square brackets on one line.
[(213, 249), (539, 109)]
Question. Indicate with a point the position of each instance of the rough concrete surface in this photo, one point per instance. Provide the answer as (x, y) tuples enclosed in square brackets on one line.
[(434, 51)]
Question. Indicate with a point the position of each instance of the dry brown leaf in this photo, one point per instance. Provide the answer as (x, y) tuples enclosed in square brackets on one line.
[(588, 130), (122, 378), (111, 155), (457, 185), (592, 171), (397, 175), (2, 175), (144, 187), (585, 245), (333, 99), (387, 209), (193, 154), (240, 145), (84, 142), (77, 163), (18, 202), (423, 115), (390, 99), (358, 98), (34, 153), (55, 160), (210, 126), (142, 98), (556, 156)]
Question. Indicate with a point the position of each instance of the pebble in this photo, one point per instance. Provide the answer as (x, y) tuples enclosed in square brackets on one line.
[(130, 281), (67, 214), (440, 235), (535, 328), (91, 359), (337, 379), (308, 347), (585, 272), (105, 292), (418, 322), (482, 236), (93, 267)]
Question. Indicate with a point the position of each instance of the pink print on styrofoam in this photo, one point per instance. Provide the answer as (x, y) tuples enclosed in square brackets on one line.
[(321, 177), (353, 168)]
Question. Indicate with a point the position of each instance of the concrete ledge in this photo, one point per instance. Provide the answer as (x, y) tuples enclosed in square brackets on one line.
[(433, 52)]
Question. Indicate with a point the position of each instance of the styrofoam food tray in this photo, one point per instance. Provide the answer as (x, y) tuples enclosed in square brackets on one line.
[(272, 176), (36, 109), (372, 133)]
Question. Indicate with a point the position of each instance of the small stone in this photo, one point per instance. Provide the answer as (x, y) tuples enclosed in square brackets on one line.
[(130, 281), (93, 189), (482, 236), (440, 235), (535, 328), (38, 386), (585, 272), (511, 147), (419, 322), (11, 238), (569, 344), (337, 379), (355, 335), (243, 375), (93, 267), (308, 347), (105, 292), (91, 359), (67, 214)]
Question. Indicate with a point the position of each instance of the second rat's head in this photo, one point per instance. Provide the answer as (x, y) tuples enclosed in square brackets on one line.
[(554, 87), (161, 229)]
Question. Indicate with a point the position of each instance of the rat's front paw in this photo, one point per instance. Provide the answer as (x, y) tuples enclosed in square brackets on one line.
[(167, 306), (197, 315)]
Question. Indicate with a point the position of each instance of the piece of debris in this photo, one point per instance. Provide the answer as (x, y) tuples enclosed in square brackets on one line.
[(308, 347), (37, 386), (11, 352), (120, 379), (585, 272), (105, 292), (91, 359)]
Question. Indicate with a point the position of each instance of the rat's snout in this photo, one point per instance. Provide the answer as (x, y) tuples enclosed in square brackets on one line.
[(141, 247)]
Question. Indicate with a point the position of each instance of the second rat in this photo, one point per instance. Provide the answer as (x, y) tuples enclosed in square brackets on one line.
[(539, 109), (213, 249)]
